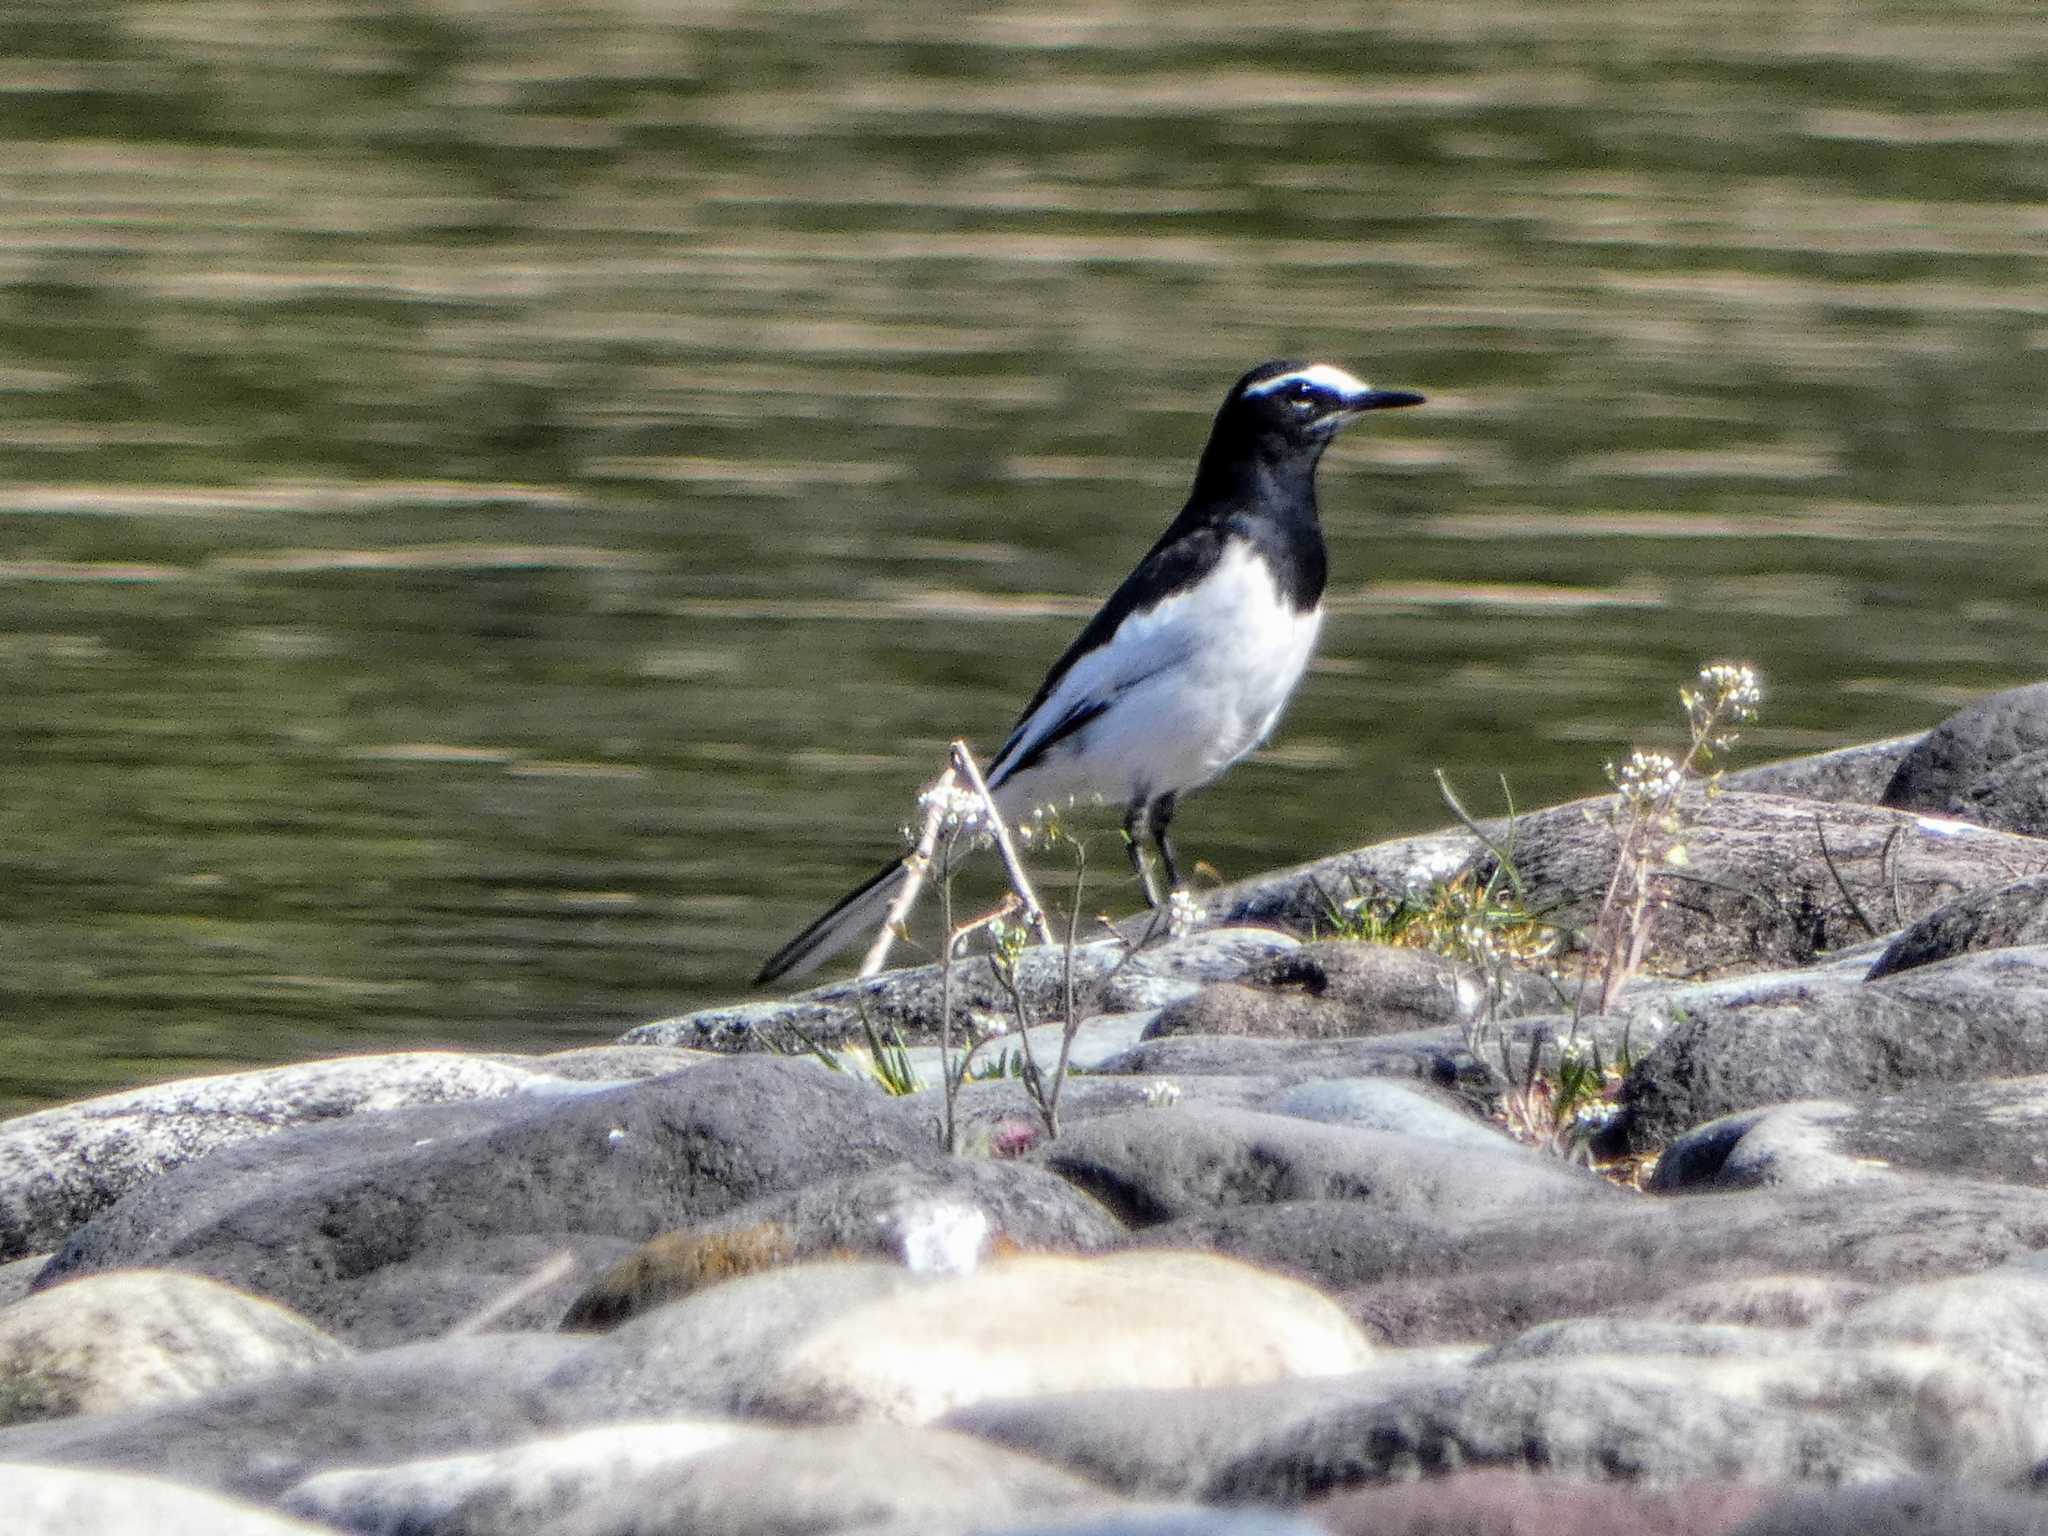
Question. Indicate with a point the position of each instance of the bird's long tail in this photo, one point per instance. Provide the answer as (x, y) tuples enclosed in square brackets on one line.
[(858, 912)]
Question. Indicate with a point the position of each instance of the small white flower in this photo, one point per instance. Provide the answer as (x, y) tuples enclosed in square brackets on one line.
[(1646, 779), (1162, 1095), (1183, 913), (959, 810)]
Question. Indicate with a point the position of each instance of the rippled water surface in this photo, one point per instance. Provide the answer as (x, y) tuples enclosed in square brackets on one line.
[(501, 505)]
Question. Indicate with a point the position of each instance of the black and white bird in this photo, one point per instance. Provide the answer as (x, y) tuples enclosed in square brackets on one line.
[(1189, 664)]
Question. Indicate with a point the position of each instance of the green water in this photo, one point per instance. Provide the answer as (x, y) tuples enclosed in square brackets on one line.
[(500, 505)]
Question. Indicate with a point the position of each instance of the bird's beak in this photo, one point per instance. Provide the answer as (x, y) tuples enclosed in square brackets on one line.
[(1381, 400)]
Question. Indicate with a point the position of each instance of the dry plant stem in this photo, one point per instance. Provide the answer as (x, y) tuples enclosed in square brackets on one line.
[(919, 863), (1070, 1023), (555, 1268), (964, 765), (946, 1081)]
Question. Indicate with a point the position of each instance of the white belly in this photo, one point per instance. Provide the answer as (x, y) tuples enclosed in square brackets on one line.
[(1223, 659)]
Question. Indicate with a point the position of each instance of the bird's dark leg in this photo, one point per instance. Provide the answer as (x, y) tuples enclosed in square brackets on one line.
[(1160, 816), (1137, 825)]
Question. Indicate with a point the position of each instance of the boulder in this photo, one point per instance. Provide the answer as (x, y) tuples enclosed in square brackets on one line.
[(65, 1501), (258, 1437), (1164, 1442), (1769, 880), (1150, 1166), (1904, 1508), (737, 1479), (1996, 917), (61, 1167), (120, 1340), (314, 1218), (1987, 763), (1107, 979), (919, 1213), (1571, 1419), (1498, 1502), (1412, 1280), (1857, 774), (1996, 1130), (1336, 989), (1033, 1325), (1774, 1039)]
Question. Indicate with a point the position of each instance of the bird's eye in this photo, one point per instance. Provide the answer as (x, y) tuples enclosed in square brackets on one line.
[(1302, 396)]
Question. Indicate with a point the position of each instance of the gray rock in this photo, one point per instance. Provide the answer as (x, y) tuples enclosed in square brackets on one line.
[(121, 1340), (1569, 1420), (312, 1218), (905, 1213), (613, 1063), (1577, 1337), (1770, 1040), (1377, 1104), (1097, 1041), (1857, 774), (1907, 1508), (1987, 764), (1337, 989), (1106, 979), (1433, 1056), (1189, 1521), (1497, 1502), (1995, 918), (1762, 1301), (730, 1478), (704, 1354), (1996, 1129), (18, 1277), (63, 1501), (1151, 1166), (1453, 1277), (1757, 889), (1165, 1443), (61, 1167), (260, 1437)]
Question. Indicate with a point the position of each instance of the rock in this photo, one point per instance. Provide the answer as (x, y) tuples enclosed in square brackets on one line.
[(312, 1218), (1337, 989), (1190, 1520), (1987, 763), (1992, 1325), (1911, 1508), (1435, 1056), (1574, 1419), (18, 1277), (1097, 1040), (63, 1501), (121, 1340), (1994, 918), (259, 1437), (908, 1000), (907, 1213), (1757, 890), (1496, 1502), (706, 1353), (1450, 1277), (1856, 774), (1150, 1166), (61, 1167), (613, 1063), (1762, 1301), (1164, 1443), (736, 1479), (1035, 1325), (1577, 1337), (1993, 1129), (1769, 1040)]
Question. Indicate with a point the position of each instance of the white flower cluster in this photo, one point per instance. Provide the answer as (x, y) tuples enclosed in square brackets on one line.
[(1729, 691), (1647, 778), (1183, 914), (960, 810)]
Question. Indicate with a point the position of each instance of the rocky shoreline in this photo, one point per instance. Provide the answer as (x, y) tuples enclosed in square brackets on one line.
[(1294, 1262)]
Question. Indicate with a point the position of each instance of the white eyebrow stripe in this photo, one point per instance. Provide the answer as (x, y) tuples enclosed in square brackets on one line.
[(1322, 375)]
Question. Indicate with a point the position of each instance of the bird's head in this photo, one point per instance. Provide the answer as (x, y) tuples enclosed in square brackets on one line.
[(1290, 407)]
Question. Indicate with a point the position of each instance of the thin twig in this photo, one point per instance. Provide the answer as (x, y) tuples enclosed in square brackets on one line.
[(1828, 858), (964, 764), (554, 1269), (919, 863)]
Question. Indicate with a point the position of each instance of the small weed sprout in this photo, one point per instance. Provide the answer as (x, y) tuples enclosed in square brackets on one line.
[(1649, 827)]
